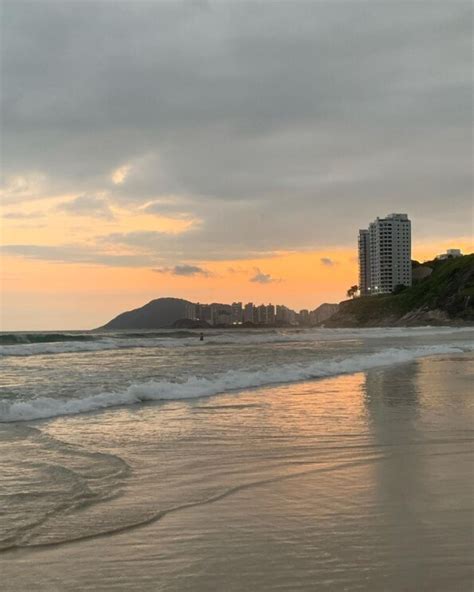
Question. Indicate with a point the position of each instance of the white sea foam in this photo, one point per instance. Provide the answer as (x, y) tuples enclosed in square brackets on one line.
[(233, 380)]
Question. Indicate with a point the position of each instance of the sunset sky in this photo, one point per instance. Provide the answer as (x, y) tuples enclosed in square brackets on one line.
[(221, 151)]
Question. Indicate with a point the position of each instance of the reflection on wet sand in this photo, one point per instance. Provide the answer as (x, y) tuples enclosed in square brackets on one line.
[(423, 487), (359, 482)]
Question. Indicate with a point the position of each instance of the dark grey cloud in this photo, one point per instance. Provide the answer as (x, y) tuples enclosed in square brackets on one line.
[(263, 278), (87, 205), (328, 262), (287, 128), (183, 270)]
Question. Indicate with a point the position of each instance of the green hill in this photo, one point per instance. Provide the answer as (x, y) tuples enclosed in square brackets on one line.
[(445, 297), (157, 314)]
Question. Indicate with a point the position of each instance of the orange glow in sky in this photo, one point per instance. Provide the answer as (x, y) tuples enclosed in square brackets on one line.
[(40, 293), (220, 152)]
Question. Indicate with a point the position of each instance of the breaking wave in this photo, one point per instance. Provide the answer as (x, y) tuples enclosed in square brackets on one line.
[(233, 380), (29, 344), (50, 343)]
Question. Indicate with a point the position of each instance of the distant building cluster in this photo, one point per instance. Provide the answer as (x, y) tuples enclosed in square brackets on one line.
[(450, 254), (263, 315), (385, 255)]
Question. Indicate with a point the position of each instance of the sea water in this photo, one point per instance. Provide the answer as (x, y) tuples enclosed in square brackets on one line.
[(50, 374), (254, 460)]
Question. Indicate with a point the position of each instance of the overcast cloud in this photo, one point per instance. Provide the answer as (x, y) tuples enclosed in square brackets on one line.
[(183, 270), (278, 126), (86, 205)]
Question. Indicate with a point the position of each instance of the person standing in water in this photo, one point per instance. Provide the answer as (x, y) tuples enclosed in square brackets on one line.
[(201, 337)]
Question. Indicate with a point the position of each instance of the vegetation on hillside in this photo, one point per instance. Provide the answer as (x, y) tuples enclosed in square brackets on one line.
[(448, 292)]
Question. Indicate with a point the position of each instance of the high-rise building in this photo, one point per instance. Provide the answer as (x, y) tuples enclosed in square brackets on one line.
[(204, 313), (280, 315), (292, 320), (221, 314), (285, 315), (270, 314), (248, 312), (385, 250), (364, 263), (261, 316), (190, 311), (303, 317), (237, 313)]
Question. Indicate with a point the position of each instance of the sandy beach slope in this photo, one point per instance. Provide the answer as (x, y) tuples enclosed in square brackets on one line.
[(357, 482)]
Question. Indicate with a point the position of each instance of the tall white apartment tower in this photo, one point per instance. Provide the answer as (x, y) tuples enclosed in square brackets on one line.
[(364, 263), (385, 255)]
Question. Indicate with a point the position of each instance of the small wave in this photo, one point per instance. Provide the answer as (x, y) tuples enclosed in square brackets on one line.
[(12, 339), (37, 349), (233, 380), (33, 344), (156, 334), (41, 349), (47, 337)]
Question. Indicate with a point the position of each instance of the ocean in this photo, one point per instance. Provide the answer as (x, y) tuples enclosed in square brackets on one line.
[(280, 459)]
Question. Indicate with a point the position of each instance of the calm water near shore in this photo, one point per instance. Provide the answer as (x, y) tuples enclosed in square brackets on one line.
[(356, 474)]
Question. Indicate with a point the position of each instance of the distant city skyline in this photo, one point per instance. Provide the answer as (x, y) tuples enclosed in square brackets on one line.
[(214, 151), (305, 280)]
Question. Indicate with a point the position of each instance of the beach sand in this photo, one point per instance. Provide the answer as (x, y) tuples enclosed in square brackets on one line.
[(357, 482)]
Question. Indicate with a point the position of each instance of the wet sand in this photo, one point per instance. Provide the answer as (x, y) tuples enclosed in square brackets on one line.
[(358, 482)]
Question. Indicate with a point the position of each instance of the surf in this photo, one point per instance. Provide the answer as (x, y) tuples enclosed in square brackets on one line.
[(204, 386)]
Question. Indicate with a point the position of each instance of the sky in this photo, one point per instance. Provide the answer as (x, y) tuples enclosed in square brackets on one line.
[(221, 151)]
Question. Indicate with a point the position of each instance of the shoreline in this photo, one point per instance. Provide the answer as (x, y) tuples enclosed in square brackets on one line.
[(321, 478)]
